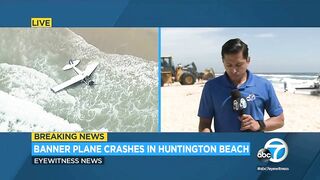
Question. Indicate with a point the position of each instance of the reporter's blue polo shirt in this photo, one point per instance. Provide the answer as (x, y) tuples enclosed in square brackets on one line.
[(216, 101)]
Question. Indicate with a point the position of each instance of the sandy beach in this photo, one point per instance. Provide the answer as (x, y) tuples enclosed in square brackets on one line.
[(179, 108), (140, 42)]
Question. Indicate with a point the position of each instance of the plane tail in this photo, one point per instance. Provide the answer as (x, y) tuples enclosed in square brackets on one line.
[(71, 64)]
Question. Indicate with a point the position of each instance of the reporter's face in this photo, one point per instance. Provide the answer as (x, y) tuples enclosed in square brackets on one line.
[(235, 65)]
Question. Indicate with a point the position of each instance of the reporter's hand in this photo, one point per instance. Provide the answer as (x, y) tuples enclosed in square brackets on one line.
[(248, 123)]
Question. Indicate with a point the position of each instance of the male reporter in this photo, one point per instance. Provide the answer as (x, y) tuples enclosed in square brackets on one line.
[(216, 101)]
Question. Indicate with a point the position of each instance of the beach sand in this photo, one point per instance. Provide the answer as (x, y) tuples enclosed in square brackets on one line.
[(139, 42), (179, 108)]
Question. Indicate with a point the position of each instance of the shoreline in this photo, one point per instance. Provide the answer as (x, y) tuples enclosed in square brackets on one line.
[(139, 42)]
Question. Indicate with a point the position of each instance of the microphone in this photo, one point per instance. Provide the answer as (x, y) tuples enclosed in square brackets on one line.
[(239, 104)]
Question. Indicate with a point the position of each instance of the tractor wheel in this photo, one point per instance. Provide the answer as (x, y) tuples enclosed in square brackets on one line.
[(187, 79)]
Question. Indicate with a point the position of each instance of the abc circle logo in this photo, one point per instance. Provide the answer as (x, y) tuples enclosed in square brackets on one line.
[(264, 155), (275, 150)]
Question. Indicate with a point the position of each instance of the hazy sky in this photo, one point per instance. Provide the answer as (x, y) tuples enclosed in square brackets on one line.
[(270, 49)]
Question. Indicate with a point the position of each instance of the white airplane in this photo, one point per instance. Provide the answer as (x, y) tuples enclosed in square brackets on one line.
[(83, 76)]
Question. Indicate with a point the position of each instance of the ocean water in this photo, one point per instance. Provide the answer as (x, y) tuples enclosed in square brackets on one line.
[(31, 60), (293, 80)]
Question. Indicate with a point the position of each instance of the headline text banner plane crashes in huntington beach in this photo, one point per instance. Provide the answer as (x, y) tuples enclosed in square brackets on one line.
[(83, 76)]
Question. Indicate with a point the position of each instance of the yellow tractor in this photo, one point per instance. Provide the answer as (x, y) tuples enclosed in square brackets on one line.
[(186, 74)]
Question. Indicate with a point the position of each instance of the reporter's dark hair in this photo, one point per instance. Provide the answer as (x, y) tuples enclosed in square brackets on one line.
[(234, 46)]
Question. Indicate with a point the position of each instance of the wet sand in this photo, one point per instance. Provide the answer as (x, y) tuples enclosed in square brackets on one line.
[(140, 42)]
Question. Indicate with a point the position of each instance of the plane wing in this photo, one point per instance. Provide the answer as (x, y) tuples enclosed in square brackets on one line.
[(68, 83), (90, 68)]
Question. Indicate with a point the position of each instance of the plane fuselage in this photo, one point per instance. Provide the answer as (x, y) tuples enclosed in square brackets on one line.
[(87, 79)]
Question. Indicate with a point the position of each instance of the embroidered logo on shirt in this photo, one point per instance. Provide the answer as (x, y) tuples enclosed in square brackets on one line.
[(251, 97)]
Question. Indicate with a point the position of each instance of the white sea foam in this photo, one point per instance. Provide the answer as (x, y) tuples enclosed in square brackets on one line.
[(20, 115), (31, 85)]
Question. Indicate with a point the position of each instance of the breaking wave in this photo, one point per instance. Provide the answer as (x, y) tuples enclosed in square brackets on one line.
[(17, 115)]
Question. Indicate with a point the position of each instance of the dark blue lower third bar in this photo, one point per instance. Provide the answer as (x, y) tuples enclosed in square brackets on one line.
[(45, 160)]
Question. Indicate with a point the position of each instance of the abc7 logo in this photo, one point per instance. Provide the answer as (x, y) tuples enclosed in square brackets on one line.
[(275, 150)]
